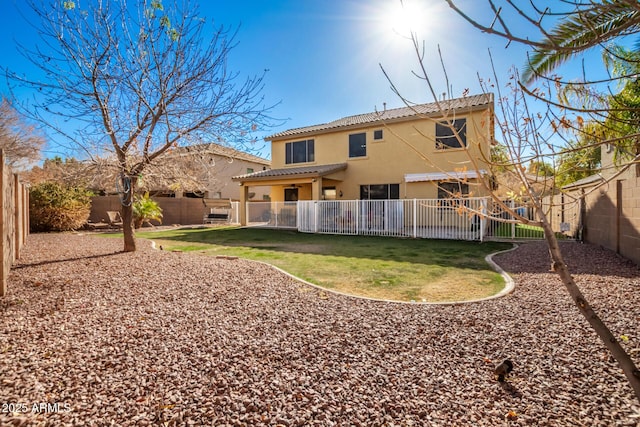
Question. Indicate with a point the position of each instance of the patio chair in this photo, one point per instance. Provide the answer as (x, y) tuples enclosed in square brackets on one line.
[(114, 218)]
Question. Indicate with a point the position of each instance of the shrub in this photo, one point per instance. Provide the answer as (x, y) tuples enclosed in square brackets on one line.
[(145, 209), (54, 207)]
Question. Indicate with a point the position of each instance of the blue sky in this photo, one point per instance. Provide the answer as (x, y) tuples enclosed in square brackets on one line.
[(324, 56)]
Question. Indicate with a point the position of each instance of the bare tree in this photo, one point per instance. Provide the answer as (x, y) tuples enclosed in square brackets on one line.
[(131, 81), (534, 136), (20, 141)]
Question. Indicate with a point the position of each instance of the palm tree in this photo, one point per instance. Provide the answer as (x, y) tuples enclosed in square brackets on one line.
[(590, 25), (145, 209)]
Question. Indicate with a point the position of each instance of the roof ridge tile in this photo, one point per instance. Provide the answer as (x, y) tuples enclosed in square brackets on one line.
[(391, 114)]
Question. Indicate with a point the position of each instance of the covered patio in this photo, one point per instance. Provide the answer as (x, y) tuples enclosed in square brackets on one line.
[(320, 182)]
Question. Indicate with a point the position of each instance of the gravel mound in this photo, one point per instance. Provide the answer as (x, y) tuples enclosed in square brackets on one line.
[(93, 336)]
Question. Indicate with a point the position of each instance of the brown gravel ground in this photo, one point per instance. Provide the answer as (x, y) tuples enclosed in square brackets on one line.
[(93, 336)]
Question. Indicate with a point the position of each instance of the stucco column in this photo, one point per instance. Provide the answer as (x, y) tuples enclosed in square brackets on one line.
[(244, 196), (316, 188)]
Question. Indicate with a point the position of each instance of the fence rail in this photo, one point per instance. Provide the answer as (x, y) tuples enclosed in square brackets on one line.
[(458, 219)]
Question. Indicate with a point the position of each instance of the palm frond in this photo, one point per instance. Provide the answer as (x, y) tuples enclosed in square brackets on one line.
[(580, 31)]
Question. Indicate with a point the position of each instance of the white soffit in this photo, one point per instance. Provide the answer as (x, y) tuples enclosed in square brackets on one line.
[(443, 176)]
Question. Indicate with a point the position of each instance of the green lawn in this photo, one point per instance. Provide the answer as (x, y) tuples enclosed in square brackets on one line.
[(522, 231), (377, 267)]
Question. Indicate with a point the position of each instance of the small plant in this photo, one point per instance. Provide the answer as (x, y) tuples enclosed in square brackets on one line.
[(55, 207), (145, 209)]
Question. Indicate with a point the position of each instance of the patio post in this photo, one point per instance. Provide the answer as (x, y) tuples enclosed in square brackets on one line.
[(316, 188), (244, 197)]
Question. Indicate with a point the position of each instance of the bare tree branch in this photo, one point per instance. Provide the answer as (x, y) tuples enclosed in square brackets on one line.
[(136, 81)]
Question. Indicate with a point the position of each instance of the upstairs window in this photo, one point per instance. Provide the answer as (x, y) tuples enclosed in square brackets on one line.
[(445, 136), (300, 152), (358, 145)]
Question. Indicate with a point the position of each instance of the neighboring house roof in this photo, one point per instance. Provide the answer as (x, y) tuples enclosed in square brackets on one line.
[(584, 182), (298, 172), (396, 114), (224, 151)]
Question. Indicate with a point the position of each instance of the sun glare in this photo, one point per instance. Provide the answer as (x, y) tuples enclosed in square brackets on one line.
[(403, 18)]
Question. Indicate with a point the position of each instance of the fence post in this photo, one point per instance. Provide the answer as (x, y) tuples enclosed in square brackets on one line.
[(315, 219), (26, 213), (513, 224), (415, 218), (17, 232), (4, 268), (483, 218), (275, 213)]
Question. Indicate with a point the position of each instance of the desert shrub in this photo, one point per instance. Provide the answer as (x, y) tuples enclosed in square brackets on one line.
[(54, 207), (145, 209)]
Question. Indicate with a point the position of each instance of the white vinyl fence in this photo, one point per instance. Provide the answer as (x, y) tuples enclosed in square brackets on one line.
[(435, 219), (234, 213), (272, 214), (427, 218), (459, 219)]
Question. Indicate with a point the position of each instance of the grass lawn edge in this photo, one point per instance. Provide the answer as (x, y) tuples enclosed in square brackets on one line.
[(509, 284)]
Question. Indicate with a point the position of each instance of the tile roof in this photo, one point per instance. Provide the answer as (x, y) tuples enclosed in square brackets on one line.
[(393, 114), (319, 170), (224, 151), (590, 180)]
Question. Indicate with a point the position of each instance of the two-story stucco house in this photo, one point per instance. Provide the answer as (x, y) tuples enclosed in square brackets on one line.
[(430, 150)]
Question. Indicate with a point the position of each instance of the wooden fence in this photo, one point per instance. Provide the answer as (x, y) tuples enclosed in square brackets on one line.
[(14, 220)]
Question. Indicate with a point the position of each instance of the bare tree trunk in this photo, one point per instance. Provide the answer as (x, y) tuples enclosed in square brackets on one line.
[(127, 216), (609, 340), (127, 229)]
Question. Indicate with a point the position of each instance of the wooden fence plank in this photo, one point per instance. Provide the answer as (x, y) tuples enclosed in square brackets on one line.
[(4, 270), (14, 220)]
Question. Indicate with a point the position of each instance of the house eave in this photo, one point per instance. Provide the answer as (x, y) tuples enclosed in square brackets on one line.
[(291, 174)]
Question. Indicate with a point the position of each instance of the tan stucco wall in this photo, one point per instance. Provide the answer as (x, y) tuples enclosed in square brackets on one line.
[(613, 216), (387, 161), (612, 212), (174, 210), (225, 169)]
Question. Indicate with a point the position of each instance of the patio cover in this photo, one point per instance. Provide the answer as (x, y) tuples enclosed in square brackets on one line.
[(443, 176), (294, 172)]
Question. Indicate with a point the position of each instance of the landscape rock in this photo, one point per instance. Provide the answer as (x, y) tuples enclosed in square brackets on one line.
[(90, 335)]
